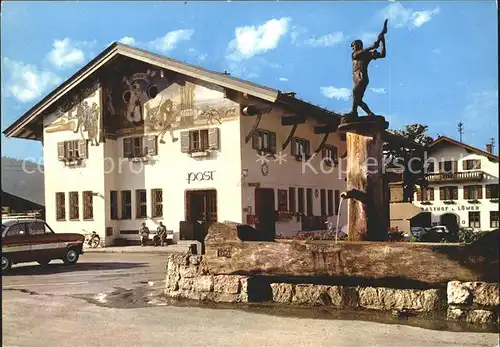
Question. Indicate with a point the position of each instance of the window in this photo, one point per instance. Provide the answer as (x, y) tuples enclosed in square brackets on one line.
[(322, 195), (448, 193), (134, 147), (309, 200), (475, 219), (157, 203), (36, 228), (494, 219), (471, 164), (264, 140), (200, 140), (113, 203), (88, 205), (73, 206), (300, 148), (492, 191), (60, 206), (16, 230), (449, 166), (300, 198), (126, 204), (430, 167), (282, 200), (330, 202), (140, 201), (337, 201), (425, 194), (329, 155), (72, 150), (291, 200), (473, 192)]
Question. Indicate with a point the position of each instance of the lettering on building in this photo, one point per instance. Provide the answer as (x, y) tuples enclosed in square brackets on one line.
[(200, 176), (447, 208), (223, 252)]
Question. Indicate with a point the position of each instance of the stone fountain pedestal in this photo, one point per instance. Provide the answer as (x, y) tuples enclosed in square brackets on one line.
[(368, 210)]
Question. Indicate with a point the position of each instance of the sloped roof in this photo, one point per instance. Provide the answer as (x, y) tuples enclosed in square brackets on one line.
[(21, 128), (444, 139)]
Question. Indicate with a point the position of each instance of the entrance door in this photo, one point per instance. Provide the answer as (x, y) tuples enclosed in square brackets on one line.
[(201, 212), (265, 212), (450, 220)]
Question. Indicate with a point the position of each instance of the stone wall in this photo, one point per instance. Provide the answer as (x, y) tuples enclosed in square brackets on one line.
[(188, 277), (473, 302)]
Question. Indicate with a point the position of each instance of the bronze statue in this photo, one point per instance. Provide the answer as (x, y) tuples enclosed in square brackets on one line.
[(360, 60)]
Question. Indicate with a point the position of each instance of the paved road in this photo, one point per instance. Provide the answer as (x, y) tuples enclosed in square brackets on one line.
[(113, 300)]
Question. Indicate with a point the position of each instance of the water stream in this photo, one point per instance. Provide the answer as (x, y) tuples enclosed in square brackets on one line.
[(338, 218)]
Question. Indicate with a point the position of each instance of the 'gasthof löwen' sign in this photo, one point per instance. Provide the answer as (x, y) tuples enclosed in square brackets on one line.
[(456, 208)]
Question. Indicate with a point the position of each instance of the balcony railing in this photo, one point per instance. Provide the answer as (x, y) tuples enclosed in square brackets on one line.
[(456, 176)]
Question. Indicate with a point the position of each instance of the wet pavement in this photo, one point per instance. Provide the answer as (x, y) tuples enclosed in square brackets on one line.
[(117, 299)]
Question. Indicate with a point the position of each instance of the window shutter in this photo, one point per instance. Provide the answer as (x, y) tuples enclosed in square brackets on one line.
[(441, 166), (479, 192), (293, 146), (431, 194), (441, 193), (60, 151), (255, 140), (153, 145), (307, 146), (82, 149), (272, 136), (455, 192), (419, 194), (185, 141), (127, 147), (488, 192), (454, 166), (477, 165), (464, 164), (213, 138), (466, 192)]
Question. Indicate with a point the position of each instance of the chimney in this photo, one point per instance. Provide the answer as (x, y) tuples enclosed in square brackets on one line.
[(488, 147)]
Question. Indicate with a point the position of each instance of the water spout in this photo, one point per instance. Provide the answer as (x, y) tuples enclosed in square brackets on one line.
[(338, 216)]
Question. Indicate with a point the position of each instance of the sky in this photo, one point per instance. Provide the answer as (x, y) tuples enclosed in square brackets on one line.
[(441, 66)]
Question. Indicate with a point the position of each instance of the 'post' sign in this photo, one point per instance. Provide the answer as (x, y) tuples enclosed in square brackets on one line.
[(200, 176)]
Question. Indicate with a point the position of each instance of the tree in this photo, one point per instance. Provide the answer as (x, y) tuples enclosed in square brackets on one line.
[(401, 155)]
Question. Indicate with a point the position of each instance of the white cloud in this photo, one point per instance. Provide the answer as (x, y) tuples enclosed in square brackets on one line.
[(326, 40), (198, 55), (400, 16), (26, 82), (66, 54), (336, 93), (419, 18), (252, 40), (379, 90), (127, 40), (171, 39), (437, 51), (296, 32), (283, 79)]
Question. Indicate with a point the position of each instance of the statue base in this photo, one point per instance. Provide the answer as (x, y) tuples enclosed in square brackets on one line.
[(362, 124)]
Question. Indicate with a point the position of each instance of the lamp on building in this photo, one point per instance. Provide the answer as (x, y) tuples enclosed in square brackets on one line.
[(244, 173)]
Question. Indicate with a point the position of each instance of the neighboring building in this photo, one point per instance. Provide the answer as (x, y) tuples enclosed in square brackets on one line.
[(22, 187), (463, 186), (134, 136)]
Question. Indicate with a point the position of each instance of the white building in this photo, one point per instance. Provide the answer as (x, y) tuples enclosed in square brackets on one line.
[(136, 137), (463, 186)]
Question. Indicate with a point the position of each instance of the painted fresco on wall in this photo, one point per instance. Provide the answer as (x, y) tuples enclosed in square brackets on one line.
[(155, 102), (81, 114)]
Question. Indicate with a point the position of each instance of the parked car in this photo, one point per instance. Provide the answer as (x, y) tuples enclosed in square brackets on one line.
[(32, 239), (439, 233)]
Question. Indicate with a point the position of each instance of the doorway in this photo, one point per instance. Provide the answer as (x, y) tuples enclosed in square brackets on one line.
[(201, 212), (450, 220), (265, 211)]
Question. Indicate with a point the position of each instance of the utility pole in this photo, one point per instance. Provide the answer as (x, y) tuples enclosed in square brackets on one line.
[(492, 142), (460, 127)]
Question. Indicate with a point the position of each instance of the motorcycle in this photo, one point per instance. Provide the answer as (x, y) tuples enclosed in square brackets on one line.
[(92, 239)]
